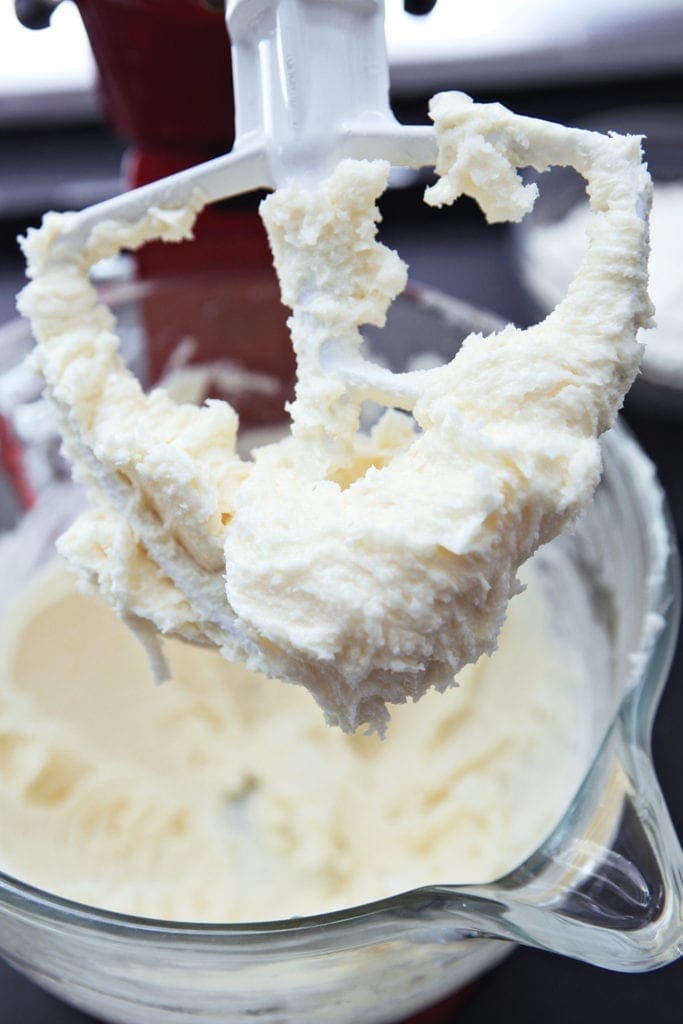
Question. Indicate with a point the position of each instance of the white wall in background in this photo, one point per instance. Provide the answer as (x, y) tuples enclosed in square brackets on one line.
[(456, 33), (55, 58)]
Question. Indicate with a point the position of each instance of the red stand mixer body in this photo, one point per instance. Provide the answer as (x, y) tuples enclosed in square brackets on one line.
[(165, 74)]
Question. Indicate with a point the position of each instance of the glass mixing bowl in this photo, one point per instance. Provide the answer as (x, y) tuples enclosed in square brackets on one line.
[(604, 887)]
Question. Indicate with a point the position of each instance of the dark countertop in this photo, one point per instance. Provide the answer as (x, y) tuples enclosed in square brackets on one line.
[(459, 254)]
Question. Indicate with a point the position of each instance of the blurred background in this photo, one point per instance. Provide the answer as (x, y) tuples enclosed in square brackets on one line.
[(101, 95)]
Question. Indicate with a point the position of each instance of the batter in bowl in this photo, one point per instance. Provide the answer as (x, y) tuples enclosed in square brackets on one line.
[(223, 796)]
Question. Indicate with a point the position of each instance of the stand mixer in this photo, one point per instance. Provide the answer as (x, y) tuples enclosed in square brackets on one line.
[(165, 74), (302, 101), (314, 123), (606, 885)]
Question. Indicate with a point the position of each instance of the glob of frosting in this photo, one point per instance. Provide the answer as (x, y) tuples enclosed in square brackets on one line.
[(367, 567)]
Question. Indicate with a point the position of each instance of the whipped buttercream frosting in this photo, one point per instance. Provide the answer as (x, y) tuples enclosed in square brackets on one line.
[(223, 796), (367, 567)]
